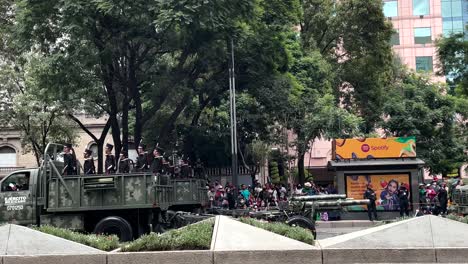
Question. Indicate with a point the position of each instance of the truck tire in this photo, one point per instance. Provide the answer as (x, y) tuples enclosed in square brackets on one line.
[(303, 222), (115, 225)]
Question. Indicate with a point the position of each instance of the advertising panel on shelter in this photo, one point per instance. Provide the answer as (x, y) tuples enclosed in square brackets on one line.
[(373, 148), (384, 185)]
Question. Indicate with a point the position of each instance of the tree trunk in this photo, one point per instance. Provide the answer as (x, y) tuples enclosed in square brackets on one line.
[(125, 108), (300, 168), (172, 119), (136, 96), (100, 146), (100, 142)]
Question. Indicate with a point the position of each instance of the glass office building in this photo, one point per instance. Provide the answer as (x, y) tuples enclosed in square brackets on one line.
[(418, 23)]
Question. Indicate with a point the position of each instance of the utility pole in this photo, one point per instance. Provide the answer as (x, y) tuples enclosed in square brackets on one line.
[(233, 119)]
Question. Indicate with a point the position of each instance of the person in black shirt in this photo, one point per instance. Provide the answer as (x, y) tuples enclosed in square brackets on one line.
[(199, 171), (403, 197), (185, 169), (124, 163), (142, 163), (442, 195), (371, 208), (110, 159), (157, 162), (88, 165), (69, 160)]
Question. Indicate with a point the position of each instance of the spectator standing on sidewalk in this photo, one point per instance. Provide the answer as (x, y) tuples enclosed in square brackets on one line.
[(443, 199), (403, 196), (371, 208)]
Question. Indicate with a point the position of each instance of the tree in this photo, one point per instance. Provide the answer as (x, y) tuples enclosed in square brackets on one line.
[(312, 111), (417, 107), (27, 106), (353, 36), (453, 55)]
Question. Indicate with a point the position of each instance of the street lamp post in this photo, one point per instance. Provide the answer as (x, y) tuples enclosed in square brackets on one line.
[(233, 119)]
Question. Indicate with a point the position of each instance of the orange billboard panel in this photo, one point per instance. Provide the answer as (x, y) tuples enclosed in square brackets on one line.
[(370, 148)]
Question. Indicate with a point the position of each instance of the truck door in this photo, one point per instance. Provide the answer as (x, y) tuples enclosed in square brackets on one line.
[(16, 203)]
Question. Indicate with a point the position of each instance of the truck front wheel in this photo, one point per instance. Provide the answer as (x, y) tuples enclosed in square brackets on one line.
[(115, 225)]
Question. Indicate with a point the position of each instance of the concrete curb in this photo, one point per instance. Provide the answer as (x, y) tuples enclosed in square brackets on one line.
[(162, 257), (391, 255), (56, 259), (268, 256)]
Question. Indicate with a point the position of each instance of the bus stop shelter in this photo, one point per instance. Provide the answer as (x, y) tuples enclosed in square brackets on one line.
[(385, 177)]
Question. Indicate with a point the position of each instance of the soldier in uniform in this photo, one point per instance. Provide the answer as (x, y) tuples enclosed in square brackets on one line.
[(88, 165), (110, 159), (186, 169), (157, 162), (199, 171), (371, 208), (166, 166), (142, 163), (69, 160), (124, 162)]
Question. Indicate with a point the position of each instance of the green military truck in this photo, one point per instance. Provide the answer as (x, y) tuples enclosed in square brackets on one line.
[(460, 199), (127, 205)]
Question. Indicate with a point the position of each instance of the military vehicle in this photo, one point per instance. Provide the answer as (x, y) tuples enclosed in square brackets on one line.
[(460, 199), (127, 205), (303, 210)]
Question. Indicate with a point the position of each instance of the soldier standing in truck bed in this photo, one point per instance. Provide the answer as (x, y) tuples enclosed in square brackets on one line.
[(88, 165), (186, 169), (110, 159), (124, 163), (142, 163), (69, 160), (157, 162)]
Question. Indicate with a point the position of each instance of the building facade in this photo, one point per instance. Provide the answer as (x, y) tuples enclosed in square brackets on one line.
[(419, 23)]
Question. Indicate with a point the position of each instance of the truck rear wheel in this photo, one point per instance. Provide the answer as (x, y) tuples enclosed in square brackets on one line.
[(303, 222), (115, 225)]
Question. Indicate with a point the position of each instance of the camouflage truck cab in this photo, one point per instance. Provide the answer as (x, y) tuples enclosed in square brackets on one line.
[(124, 204)]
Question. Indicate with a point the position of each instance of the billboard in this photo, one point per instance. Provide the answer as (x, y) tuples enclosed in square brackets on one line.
[(371, 148), (384, 185)]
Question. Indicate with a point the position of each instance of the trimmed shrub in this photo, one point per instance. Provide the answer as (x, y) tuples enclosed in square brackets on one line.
[(296, 233), (463, 219), (102, 242), (192, 237)]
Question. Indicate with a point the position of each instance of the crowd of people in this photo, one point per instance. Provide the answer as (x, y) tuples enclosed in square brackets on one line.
[(258, 196), (435, 197)]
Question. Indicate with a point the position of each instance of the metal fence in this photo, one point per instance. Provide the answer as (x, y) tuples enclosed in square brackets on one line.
[(227, 171)]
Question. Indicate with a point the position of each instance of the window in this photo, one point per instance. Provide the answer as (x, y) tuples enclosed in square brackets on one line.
[(421, 7), (422, 35), (457, 8), (395, 40), (16, 182), (7, 157), (450, 26), (424, 63), (390, 8)]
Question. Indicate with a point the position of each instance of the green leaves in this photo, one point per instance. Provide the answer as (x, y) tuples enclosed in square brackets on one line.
[(417, 107)]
